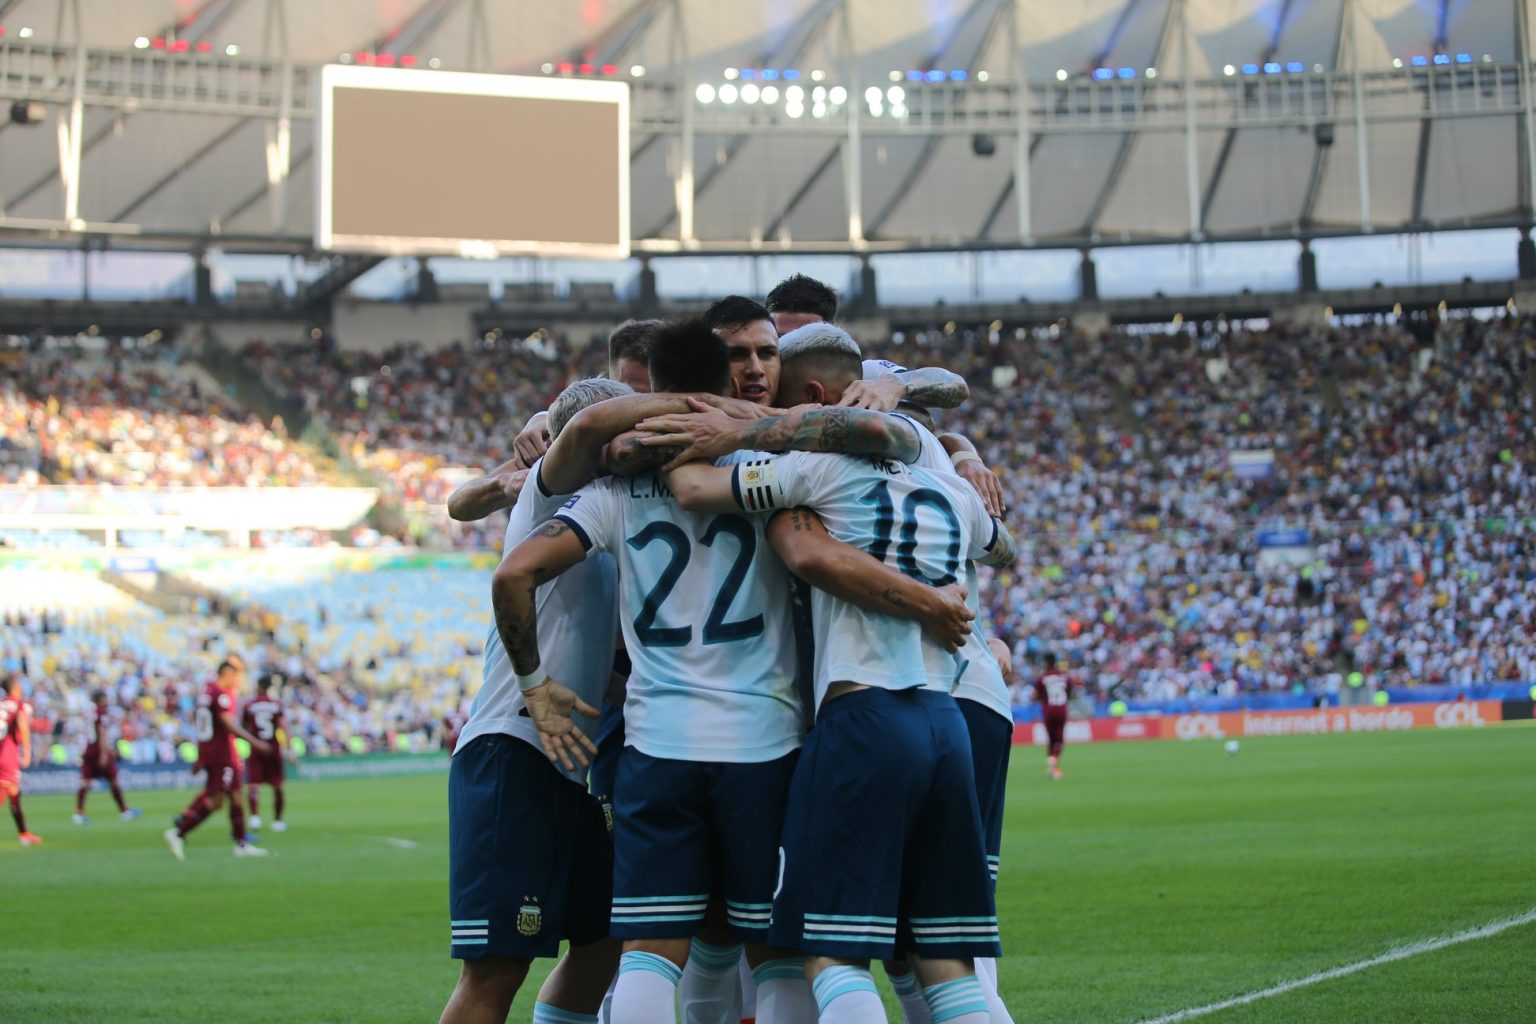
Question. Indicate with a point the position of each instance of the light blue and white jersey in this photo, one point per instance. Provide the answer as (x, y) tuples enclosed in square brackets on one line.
[(578, 624), (874, 368), (981, 678), (925, 524), (705, 610)]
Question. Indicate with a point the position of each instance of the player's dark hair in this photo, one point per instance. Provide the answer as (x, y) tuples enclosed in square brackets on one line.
[(734, 312), (268, 681), (801, 294), (97, 696), (227, 666), (632, 340), (687, 355)]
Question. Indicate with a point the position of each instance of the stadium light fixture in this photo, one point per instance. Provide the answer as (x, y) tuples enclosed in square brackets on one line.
[(385, 60), (791, 74), (1463, 58), (584, 68), (895, 76), (637, 71), (1317, 69), (231, 50), (1419, 61), (770, 74), (1250, 69), (899, 111), (727, 94), (25, 32), (819, 111), (982, 76), (1442, 58), (819, 94), (933, 75), (141, 43), (705, 93), (180, 45), (1295, 67), (838, 95), (566, 67), (1229, 70), (730, 74), (749, 93), (1061, 74), (1272, 67), (872, 95), (794, 94), (434, 63), (770, 94), (1151, 72), (747, 74), (914, 76), (609, 69), (205, 47), (159, 44), (1127, 73), (896, 94), (547, 68), (408, 60), (345, 58), (818, 75), (957, 75), (794, 109), (1487, 58), (1397, 62)]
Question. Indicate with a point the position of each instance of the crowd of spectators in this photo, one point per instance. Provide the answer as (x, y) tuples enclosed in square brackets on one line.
[(133, 416)]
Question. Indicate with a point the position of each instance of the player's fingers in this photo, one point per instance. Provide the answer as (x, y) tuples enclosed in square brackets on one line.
[(698, 406), (573, 745), (666, 440), (586, 710)]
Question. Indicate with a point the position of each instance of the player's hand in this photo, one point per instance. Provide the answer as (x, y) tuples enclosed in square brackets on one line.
[(551, 706), (512, 484), (261, 747), (882, 394), (948, 621), (705, 434), (1003, 655), (533, 441), (975, 473), (735, 407)]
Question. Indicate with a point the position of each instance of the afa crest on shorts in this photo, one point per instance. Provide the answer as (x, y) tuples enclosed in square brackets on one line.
[(608, 814), (530, 918)]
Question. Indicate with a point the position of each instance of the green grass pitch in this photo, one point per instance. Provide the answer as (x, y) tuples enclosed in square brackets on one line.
[(1156, 877)]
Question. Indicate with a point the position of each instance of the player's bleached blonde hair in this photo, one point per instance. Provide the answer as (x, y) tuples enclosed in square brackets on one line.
[(580, 394), (821, 339)]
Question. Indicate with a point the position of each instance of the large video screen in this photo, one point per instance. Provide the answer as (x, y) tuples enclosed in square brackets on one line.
[(416, 162)]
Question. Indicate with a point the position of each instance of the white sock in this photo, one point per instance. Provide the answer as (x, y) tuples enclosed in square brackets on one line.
[(749, 989), (708, 993), (647, 989), (957, 1002), (605, 1015), (986, 973), (914, 1008), (847, 995), (783, 994)]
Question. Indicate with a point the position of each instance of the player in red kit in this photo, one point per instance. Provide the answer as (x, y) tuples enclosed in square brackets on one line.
[(1053, 690), (217, 730), (263, 718), (15, 751), (100, 762)]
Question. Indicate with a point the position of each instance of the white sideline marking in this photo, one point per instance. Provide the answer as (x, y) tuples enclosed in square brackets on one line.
[(1400, 953), (404, 844)]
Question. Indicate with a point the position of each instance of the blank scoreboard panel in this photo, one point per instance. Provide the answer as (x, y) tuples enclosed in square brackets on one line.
[(447, 163)]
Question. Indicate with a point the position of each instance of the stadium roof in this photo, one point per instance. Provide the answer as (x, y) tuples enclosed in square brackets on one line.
[(203, 174)]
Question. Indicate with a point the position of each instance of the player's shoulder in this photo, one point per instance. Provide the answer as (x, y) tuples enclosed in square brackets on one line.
[(874, 368)]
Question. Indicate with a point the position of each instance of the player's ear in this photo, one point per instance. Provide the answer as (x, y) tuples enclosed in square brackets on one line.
[(816, 393)]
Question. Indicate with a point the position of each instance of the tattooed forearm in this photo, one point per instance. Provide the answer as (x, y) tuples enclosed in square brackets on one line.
[(935, 387), (848, 431), (1004, 550), (626, 456), (517, 622)]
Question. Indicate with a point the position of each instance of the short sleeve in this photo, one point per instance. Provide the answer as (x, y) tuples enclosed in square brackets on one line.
[(979, 522), (931, 453), (592, 513), (542, 504), (777, 482), (874, 368)]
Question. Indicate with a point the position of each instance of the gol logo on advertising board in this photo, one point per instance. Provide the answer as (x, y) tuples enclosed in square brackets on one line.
[(1449, 716), (1198, 727)]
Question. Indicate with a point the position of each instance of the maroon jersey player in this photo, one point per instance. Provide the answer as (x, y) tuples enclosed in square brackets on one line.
[(15, 752), (100, 761), (263, 718), (217, 730), (1053, 690)]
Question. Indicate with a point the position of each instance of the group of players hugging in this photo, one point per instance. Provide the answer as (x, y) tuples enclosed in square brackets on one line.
[(740, 733)]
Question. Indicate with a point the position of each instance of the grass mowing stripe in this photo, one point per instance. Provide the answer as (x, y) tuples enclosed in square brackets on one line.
[(1487, 931)]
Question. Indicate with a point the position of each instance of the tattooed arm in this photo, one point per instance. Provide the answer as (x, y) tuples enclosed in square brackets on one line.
[(475, 499), (931, 386), (1004, 550), (577, 454), (708, 435), (859, 578), (543, 555), (629, 455)]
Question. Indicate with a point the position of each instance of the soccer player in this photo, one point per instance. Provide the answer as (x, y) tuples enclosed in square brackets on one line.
[(530, 857), (889, 755), (263, 718), (217, 729), (1053, 691), (100, 762), (712, 718), (15, 752), (753, 344)]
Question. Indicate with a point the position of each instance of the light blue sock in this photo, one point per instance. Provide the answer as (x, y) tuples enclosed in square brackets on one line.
[(961, 1001), (711, 986), (543, 1013)]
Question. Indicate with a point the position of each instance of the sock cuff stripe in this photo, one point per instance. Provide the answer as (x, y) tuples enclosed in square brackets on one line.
[(904, 984), (840, 981), (950, 999), (788, 967), (638, 960), (705, 954), (543, 1013)]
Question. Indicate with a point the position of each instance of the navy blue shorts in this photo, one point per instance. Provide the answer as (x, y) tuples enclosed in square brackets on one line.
[(530, 860), (687, 830), (991, 742), (883, 850), (605, 766)]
